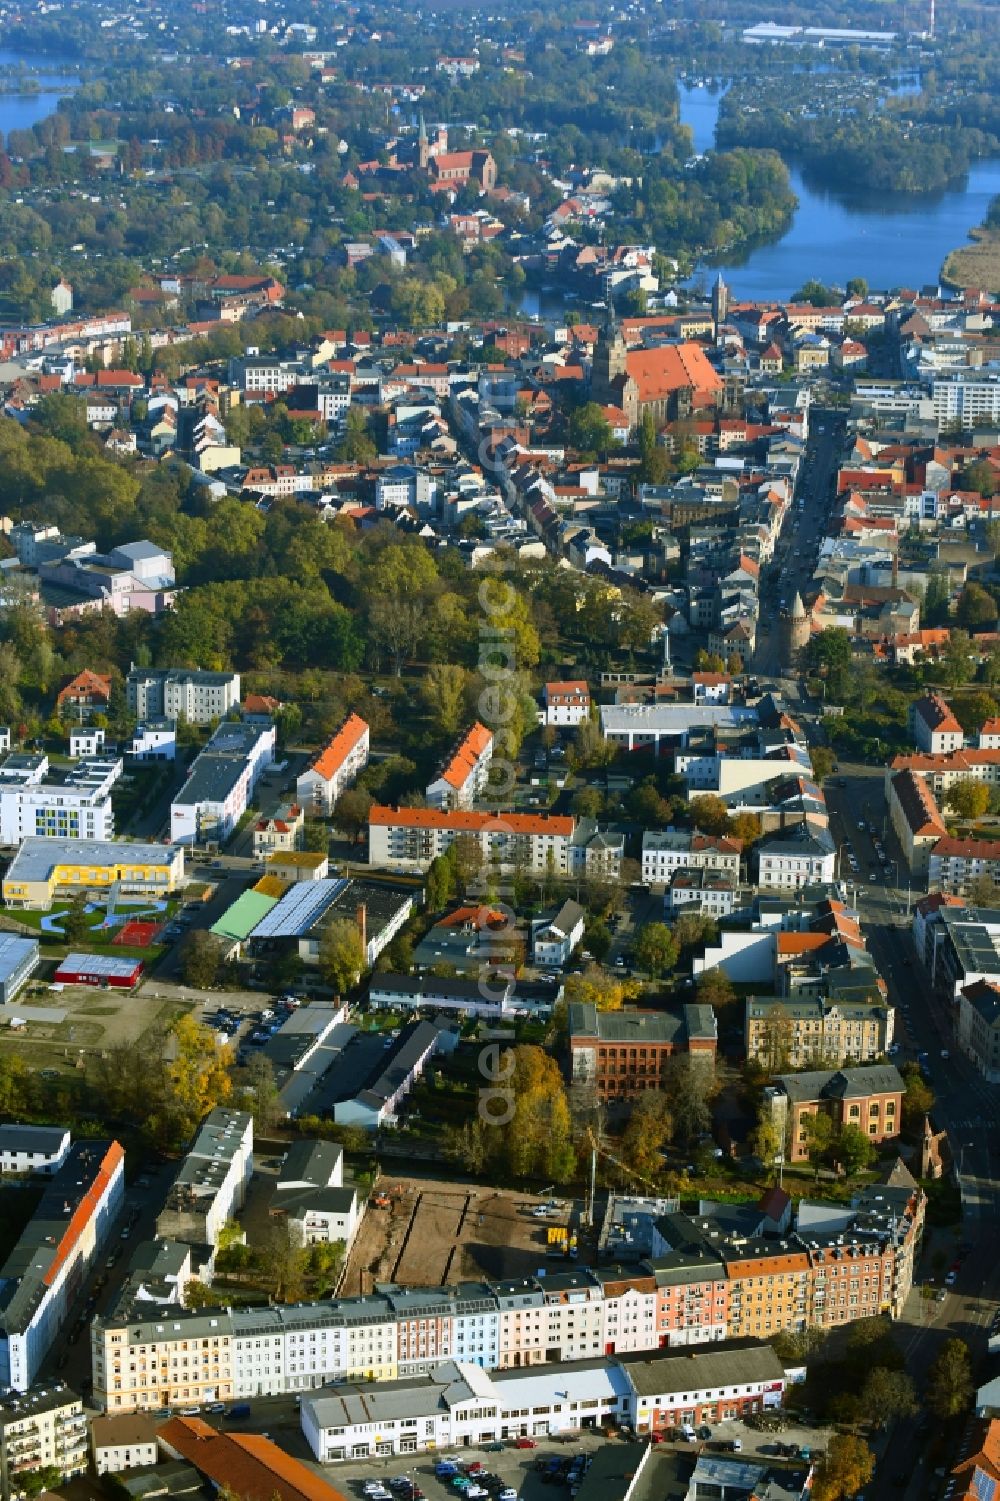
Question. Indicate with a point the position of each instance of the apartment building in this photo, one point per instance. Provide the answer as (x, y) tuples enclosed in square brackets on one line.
[(410, 838), (310, 1194), (212, 1181), (181, 692), (619, 1054), (123, 1443), (978, 1029), (664, 852), (73, 805), (796, 1031), (221, 782), (42, 1427), (803, 855), (33, 1149), (916, 820), (870, 1097), (954, 864), (44, 869), (933, 725), (465, 774), (334, 768), (716, 1276), (47, 1267), (566, 704), (701, 891)]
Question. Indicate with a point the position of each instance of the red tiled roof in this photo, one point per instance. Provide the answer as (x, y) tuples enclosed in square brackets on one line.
[(247, 1464), (672, 367), (462, 764), (333, 755), (85, 1210)]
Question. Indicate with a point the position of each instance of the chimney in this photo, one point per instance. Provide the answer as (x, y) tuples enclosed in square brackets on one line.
[(362, 916)]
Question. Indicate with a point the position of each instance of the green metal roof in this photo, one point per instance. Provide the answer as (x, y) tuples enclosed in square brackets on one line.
[(239, 920)]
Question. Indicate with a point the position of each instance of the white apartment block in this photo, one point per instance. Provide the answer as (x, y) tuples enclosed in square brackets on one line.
[(566, 704), (181, 692), (935, 728), (665, 852), (334, 768), (212, 1181), (221, 782), (78, 807), (262, 376), (45, 1270), (85, 742), (972, 401), (410, 838), (465, 774), (33, 1149)]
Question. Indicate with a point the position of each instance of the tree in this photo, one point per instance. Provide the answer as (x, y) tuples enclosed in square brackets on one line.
[(854, 1150), (829, 654), (342, 955), (589, 431), (655, 949), (983, 891), (955, 661), (937, 597), (746, 827), (261, 1093), (715, 989), (315, 836), (982, 477), (823, 761), (597, 938), (976, 608), (847, 1468), (691, 929), (974, 710), (766, 1141), (710, 814), (536, 1137), (201, 960), (887, 1395), (949, 1381), (689, 1083), (356, 447), (439, 883), (350, 813), (34, 1482), (918, 1097), (76, 922), (818, 1129), (444, 688), (597, 987), (967, 798), (646, 1133)]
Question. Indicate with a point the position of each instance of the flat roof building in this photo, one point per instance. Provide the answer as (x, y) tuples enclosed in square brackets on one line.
[(45, 868)]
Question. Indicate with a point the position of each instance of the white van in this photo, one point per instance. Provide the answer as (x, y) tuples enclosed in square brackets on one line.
[(688, 1433)]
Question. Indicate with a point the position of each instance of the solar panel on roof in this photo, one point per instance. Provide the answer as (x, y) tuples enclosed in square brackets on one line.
[(299, 909)]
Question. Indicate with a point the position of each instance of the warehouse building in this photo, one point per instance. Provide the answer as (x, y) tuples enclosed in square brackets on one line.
[(18, 962), (99, 969)]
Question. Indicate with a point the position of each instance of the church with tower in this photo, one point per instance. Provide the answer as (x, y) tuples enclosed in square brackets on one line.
[(450, 171), (672, 381)]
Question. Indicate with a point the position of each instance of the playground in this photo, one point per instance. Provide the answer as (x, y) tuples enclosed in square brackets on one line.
[(133, 921)]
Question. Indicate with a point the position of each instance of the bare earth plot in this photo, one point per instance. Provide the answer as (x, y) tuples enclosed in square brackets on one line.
[(92, 1020), (434, 1233)]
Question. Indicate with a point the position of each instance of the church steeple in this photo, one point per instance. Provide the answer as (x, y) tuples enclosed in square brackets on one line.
[(423, 148)]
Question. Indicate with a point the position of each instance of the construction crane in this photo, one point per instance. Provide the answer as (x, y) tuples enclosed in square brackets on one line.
[(596, 1150)]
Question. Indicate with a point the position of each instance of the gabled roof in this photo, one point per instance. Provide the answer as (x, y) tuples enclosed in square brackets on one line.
[(333, 755), (463, 762)]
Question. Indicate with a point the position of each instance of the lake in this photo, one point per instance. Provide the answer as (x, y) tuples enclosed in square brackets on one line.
[(891, 240), (21, 111)]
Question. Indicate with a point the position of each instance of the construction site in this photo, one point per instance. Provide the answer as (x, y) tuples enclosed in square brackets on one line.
[(424, 1232)]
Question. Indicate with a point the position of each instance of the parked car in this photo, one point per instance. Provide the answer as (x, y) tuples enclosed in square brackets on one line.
[(525, 1443)]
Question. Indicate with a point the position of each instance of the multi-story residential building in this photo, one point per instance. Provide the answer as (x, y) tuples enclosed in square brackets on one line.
[(621, 1053), (465, 774), (664, 852), (42, 1428), (804, 855), (311, 1197), (799, 1031), (709, 1278), (154, 740), (954, 864), (76, 805), (410, 838), (43, 869), (335, 768), (701, 890), (914, 816), (33, 1149), (221, 781), (211, 1183), (870, 1098), (264, 375), (181, 692), (123, 1443), (934, 727), (283, 831), (47, 1267), (567, 704), (957, 944), (86, 694), (978, 1029), (966, 400)]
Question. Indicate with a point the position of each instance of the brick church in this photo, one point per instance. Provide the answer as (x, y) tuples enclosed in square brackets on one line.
[(670, 380)]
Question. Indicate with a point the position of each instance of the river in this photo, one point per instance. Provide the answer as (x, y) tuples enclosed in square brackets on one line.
[(891, 240), (21, 111)]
